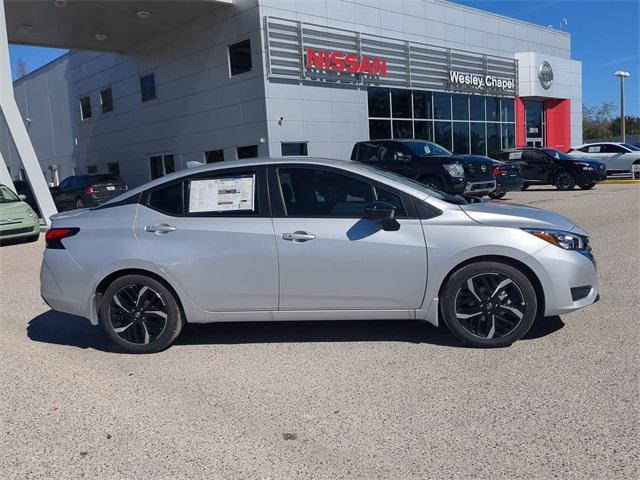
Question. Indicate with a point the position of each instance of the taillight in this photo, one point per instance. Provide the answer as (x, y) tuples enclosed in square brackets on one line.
[(89, 190), (54, 236), (498, 171)]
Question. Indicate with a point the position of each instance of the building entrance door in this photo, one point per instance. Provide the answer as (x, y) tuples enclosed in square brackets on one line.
[(535, 127)]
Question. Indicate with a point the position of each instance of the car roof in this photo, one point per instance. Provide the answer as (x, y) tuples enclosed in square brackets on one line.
[(398, 140), (599, 143)]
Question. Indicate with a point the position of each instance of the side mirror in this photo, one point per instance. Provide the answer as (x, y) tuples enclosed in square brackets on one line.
[(384, 213), (22, 197), (401, 157)]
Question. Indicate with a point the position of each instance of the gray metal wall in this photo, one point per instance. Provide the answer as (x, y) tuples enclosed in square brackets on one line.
[(44, 99)]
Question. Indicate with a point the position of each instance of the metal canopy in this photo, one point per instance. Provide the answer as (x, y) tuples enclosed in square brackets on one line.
[(81, 24)]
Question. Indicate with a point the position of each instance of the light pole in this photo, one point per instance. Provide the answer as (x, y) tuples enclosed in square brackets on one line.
[(622, 76)]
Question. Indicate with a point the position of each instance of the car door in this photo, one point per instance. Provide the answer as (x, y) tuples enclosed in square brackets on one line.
[(212, 234), (539, 166), (617, 157), (329, 257)]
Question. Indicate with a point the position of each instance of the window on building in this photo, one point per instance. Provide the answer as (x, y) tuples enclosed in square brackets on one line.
[(401, 103), (214, 156), (106, 100), (161, 165), (114, 168), (290, 149), (240, 57), (461, 123), (92, 169), (148, 87), (85, 108), (248, 151)]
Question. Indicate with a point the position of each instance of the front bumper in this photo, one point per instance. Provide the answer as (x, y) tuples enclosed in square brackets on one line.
[(565, 273), (26, 228), (590, 176), (480, 188)]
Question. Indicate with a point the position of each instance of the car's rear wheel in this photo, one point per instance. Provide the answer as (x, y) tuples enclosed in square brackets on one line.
[(587, 186), (140, 314), (564, 181), (497, 195), (79, 203), (524, 187), (488, 304)]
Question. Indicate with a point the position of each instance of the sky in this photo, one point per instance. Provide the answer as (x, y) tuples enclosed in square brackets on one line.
[(605, 37)]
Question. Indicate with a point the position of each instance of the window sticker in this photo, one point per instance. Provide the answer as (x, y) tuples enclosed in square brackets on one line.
[(222, 194), (515, 155), (594, 149)]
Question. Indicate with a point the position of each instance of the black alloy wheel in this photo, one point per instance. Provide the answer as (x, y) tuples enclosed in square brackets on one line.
[(79, 203), (565, 181), (489, 304), (140, 314), (497, 195)]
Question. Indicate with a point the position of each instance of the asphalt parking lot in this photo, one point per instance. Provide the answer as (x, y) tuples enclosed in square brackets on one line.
[(396, 400)]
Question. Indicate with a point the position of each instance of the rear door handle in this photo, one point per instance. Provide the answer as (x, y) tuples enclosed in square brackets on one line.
[(298, 236), (160, 228)]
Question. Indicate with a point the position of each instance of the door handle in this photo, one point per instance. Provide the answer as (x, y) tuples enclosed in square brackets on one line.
[(298, 236), (160, 228)]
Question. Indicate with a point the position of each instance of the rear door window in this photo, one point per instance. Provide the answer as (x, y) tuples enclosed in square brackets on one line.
[(224, 194), (168, 200)]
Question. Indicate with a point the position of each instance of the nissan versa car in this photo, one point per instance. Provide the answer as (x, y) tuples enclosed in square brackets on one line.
[(311, 239), (17, 219), (619, 157)]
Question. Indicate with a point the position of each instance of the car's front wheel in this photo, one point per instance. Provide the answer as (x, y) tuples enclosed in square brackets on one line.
[(140, 314), (497, 195), (488, 304), (565, 181)]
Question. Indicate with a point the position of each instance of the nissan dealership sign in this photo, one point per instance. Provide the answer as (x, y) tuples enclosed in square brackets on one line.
[(480, 81), (345, 62)]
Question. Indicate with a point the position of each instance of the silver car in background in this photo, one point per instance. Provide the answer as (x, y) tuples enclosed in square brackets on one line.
[(311, 239), (617, 156)]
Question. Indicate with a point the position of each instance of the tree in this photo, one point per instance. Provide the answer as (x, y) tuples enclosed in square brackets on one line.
[(21, 68), (602, 121)]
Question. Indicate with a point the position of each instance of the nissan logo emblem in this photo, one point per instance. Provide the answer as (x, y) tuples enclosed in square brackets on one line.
[(545, 75), (483, 168)]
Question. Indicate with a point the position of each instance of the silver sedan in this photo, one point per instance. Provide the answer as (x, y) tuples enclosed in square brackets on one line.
[(311, 239)]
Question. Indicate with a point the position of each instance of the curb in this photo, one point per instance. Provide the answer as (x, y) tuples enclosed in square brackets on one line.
[(620, 182)]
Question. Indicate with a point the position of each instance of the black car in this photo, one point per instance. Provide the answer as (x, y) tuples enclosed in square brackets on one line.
[(548, 166), (81, 191), (508, 178), (430, 164)]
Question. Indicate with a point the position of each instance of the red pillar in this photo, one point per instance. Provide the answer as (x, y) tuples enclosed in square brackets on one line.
[(558, 123), (520, 123)]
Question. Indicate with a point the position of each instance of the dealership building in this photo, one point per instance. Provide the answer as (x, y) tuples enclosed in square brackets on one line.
[(146, 90)]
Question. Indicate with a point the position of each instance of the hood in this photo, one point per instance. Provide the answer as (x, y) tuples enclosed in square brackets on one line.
[(13, 208), (589, 161), (457, 158), (502, 214)]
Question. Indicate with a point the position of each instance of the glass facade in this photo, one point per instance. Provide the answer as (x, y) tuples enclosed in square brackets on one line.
[(464, 124)]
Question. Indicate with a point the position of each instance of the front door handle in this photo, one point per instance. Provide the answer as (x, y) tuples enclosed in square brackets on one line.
[(298, 236), (160, 228)]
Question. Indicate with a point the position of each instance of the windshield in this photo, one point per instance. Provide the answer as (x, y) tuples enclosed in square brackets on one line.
[(7, 196), (445, 197), (631, 147), (557, 154), (426, 148)]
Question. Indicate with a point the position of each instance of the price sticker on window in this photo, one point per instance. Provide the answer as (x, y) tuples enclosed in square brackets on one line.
[(515, 155), (222, 194)]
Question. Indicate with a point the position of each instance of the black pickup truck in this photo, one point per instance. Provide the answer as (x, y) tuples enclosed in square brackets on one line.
[(430, 164)]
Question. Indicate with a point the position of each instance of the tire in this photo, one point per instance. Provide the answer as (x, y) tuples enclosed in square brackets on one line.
[(432, 182), (564, 181), (470, 314), (79, 203), (524, 187), (140, 314), (497, 195), (587, 186)]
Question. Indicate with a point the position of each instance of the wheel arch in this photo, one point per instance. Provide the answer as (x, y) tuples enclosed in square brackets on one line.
[(109, 279), (523, 267)]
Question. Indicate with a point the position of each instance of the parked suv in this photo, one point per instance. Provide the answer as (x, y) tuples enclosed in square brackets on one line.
[(430, 164), (548, 166), (81, 191)]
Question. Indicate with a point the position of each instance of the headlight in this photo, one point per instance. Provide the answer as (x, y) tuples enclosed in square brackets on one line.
[(565, 240), (454, 169), (585, 166), (31, 213)]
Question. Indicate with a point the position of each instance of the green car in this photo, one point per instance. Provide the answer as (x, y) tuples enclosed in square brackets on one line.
[(17, 219)]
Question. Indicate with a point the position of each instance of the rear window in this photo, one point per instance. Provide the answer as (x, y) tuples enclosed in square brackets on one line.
[(105, 178)]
